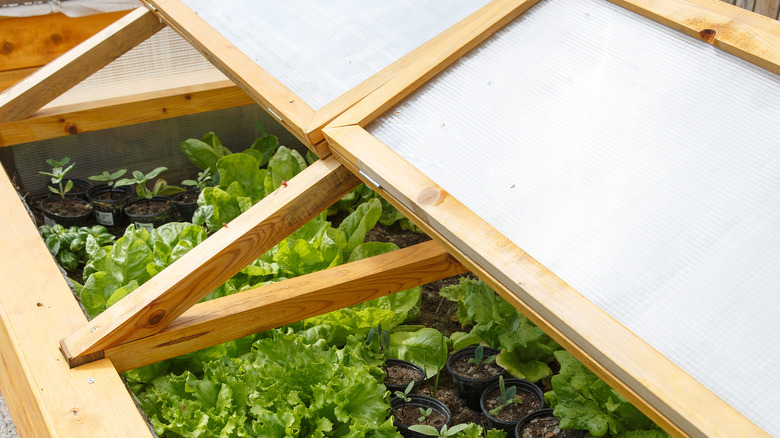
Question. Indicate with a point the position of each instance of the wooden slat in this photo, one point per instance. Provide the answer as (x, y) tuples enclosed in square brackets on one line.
[(59, 121), (30, 42), (292, 300), (424, 62), (673, 399), (291, 111), (151, 307), (8, 78), (44, 396), (750, 36), (55, 78)]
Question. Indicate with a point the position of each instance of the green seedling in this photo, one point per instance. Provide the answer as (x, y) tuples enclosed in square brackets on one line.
[(159, 188), (424, 414), (506, 398), (478, 359), (444, 432), (107, 177), (204, 177), (57, 174)]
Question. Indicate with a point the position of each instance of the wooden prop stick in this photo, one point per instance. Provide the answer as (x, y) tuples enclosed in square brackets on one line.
[(43, 86), (292, 300), (151, 307)]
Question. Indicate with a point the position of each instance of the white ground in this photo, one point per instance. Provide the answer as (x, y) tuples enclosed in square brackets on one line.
[(7, 429)]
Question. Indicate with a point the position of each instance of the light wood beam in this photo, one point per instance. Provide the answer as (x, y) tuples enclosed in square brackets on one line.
[(151, 307), (277, 304), (41, 87)]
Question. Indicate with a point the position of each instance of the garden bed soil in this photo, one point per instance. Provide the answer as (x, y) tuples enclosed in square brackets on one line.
[(546, 427), (410, 416), (148, 207), (67, 207), (463, 367), (514, 411)]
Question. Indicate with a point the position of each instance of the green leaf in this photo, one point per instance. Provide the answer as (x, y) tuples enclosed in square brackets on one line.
[(425, 347), (68, 260)]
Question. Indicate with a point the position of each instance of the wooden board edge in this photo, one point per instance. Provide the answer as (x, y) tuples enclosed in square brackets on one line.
[(60, 121), (276, 304), (289, 110), (673, 399), (46, 398)]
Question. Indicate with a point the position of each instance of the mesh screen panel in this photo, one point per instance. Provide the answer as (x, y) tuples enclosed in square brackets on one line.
[(320, 49), (640, 165)]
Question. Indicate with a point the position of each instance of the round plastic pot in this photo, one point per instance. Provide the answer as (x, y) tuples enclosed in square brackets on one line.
[(51, 218), (185, 209), (154, 220), (471, 389), (79, 190), (415, 402), (110, 212), (392, 387), (542, 413), (523, 387)]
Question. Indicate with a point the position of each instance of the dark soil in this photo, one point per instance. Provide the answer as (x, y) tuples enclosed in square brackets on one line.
[(515, 411), (186, 197), (66, 207), (109, 196), (546, 427), (401, 375), (410, 416), (463, 367), (148, 207)]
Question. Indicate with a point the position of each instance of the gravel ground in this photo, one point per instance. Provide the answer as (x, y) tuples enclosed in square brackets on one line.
[(7, 429)]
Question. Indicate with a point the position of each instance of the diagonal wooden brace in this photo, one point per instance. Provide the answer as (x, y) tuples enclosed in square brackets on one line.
[(151, 307), (44, 85), (277, 304)]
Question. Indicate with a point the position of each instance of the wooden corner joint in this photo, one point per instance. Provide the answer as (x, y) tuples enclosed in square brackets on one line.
[(74, 361)]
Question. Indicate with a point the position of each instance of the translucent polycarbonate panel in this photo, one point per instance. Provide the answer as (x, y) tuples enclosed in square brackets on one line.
[(165, 60), (640, 165), (320, 49)]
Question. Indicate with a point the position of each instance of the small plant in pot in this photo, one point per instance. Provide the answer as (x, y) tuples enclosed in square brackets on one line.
[(109, 200), (186, 202), (399, 373), (543, 423), (473, 369), (411, 410), (154, 206), (62, 209), (507, 402)]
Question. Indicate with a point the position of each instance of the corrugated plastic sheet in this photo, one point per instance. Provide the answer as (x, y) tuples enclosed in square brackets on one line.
[(640, 165), (320, 49)]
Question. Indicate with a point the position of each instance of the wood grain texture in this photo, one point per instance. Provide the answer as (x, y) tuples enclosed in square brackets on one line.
[(44, 396), (292, 300), (748, 35), (156, 303), (30, 42), (409, 72), (291, 111), (41, 87), (669, 396), (60, 121)]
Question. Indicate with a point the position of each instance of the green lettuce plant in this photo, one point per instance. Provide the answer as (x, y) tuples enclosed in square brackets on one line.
[(68, 245), (525, 349), (581, 400)]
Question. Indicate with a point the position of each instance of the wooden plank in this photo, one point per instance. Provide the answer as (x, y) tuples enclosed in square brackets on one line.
[(59, 121), (424, 62), (291, 111), (151, 307), (55, 78), (8, 78), (750, 36), (286, 302), (30, 42), (44, 396), (669, 396)]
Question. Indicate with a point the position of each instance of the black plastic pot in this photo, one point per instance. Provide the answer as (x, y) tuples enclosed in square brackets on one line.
[(109, 204), (471, 389), (392, 387), (185, 209), (79, 190), (524, 388), (51, 218), (415, 402), (151, 221), (543, 413)]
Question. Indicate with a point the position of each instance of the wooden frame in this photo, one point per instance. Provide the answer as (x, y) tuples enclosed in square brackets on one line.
[(161, 317)]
